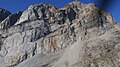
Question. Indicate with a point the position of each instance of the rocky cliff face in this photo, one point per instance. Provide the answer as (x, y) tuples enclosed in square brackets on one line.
[(77, 35)]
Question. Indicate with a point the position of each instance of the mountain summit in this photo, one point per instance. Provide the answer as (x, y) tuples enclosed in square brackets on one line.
[(77, 35)]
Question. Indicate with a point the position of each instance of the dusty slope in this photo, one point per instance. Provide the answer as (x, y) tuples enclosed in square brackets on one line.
[(102, 51)]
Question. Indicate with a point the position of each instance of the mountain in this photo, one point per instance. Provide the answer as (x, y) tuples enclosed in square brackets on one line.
[(77, 35), (3, 14)]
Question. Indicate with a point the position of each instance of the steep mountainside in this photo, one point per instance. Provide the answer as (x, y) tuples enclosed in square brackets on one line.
[(77, 35)]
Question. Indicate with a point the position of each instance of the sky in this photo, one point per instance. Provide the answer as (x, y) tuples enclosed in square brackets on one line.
[(112, 6)]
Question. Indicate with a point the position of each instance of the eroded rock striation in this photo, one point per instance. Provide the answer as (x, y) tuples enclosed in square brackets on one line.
[(77, 35)]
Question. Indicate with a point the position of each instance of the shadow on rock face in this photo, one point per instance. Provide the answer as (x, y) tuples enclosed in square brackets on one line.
[(71, 14)]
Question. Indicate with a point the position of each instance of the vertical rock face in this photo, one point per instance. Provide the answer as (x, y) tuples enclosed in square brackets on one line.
[(75, 35)]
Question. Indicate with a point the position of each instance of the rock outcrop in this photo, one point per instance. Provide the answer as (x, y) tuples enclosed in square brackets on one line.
[(10, 20), (77, 35), (3, 14)]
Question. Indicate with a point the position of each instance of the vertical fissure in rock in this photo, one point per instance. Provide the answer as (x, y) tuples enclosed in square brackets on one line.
[(34, 49)]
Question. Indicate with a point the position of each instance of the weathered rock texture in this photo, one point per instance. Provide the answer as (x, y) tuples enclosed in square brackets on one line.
[(77, 35)]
